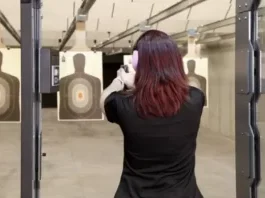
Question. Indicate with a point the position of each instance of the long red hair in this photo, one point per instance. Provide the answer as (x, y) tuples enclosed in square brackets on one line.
[(160, 83)]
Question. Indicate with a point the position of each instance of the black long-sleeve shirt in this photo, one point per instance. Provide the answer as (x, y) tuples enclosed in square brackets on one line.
[(159, 153)]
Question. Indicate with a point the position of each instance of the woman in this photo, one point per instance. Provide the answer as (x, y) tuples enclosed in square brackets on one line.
[(159, 118)]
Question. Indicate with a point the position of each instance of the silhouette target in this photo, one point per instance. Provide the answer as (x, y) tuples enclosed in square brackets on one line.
[(80, 93), (4, 96), (80, 97), (9, 96), (196, 80)]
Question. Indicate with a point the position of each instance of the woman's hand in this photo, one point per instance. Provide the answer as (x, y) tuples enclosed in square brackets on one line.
[(118, 84), (127, 78)]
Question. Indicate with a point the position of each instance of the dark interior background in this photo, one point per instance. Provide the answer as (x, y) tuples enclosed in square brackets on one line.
[(110, 66)]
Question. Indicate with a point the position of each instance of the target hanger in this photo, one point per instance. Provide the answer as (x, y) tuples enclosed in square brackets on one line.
[(80, 42), (193, 47)]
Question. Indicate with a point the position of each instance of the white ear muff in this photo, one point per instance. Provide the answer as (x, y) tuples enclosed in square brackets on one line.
[(135, 58)]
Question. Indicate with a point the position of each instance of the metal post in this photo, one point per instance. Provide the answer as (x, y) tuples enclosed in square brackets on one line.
[(260, 82), (247, 171), (30, 99)]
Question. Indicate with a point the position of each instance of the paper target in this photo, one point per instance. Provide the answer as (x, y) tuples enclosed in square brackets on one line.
[(80, 96), (4, 96), (10, 76), (80, 86), (195, 82), (127, 60), (197, 73)]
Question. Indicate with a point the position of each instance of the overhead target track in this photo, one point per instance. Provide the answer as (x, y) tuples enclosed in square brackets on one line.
[(8, 26), (172, 10), (83, 10)]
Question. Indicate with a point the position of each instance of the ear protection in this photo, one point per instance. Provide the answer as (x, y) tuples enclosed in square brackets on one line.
[(135, 58)]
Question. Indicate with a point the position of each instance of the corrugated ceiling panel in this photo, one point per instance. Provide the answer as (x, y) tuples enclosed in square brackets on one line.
[(175, 23), (157, 1), (232, 11), (11, 10), (49, 23), (211, 10), (101, 9), (10, 6), (125, 42), (122, 1), (55, 18), (54, 9), (134, 22), (199, 16), (133, 10), (51, 34), (91, 24), (159, 6), (112, 25), (99, 36)]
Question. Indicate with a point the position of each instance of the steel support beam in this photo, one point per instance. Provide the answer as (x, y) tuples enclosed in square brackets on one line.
[(207, 27), (176, 8), (7, 25), (218, 24), (83, 10), (215, 38), (247, 171), (31, 129), (228, 36)]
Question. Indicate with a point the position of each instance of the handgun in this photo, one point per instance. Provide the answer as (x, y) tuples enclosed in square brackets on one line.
[(126, 68)]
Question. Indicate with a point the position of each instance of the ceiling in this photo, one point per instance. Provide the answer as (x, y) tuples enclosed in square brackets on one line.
[(115, 16)]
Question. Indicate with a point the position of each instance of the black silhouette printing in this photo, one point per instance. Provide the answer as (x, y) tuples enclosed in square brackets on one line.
[(9, 96), (68, 88), (196, 80)]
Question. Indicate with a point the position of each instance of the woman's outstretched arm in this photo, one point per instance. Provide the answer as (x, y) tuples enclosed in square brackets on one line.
[(116, 85)]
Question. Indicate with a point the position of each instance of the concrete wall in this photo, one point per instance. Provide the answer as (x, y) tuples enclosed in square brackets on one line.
[(220, 116)]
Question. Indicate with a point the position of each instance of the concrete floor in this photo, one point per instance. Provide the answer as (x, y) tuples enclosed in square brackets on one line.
[(84, 160)]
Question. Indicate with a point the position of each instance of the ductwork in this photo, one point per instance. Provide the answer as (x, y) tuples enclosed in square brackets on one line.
[(83, 10), (7, 25), (172, 10)]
